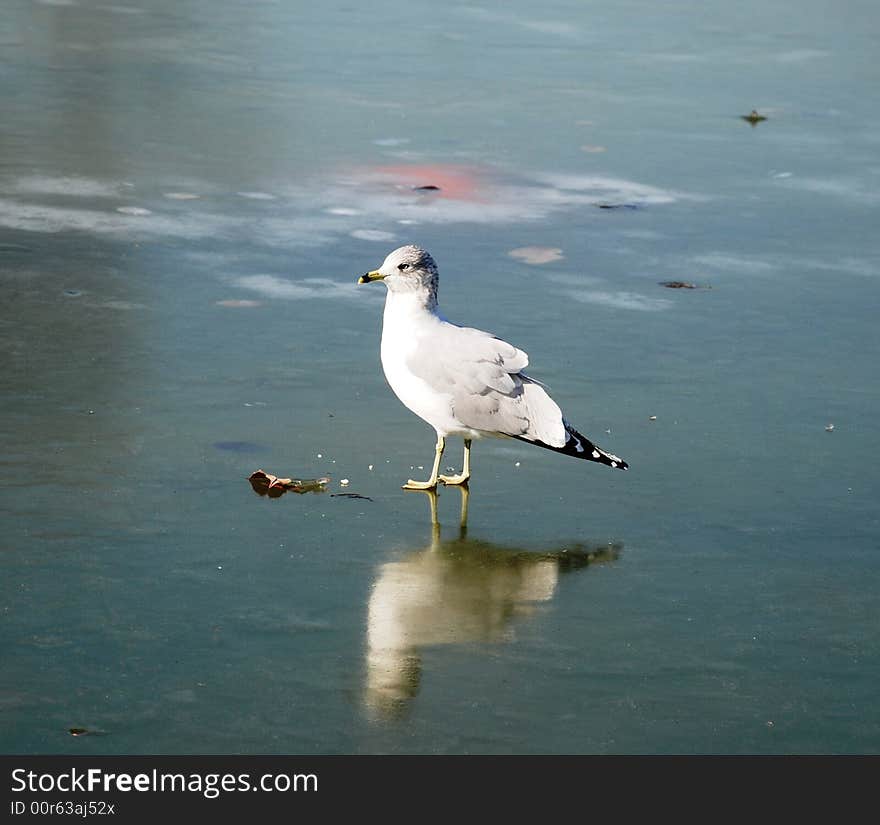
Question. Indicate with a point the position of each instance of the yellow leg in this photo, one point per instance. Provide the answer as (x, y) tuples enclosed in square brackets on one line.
[(431, 483), (465, 470)]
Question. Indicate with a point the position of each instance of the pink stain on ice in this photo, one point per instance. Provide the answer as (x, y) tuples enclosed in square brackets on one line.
[(439, 180)]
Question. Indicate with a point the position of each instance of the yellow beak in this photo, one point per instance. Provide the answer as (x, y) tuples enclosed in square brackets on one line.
[(371, 276)]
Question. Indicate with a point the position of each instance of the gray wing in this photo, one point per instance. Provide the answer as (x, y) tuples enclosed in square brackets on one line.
[(489, 391)]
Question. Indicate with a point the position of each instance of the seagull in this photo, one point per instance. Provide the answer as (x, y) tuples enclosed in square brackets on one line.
[(462, 381)]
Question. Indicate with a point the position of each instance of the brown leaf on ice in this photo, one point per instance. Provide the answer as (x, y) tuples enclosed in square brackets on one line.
[(266, 484), (260, 481)]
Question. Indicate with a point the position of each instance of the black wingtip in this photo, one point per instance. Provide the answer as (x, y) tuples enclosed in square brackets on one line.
[(579, 446)]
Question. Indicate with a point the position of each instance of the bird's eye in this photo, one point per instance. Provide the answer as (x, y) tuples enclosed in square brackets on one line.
[(401, 267)]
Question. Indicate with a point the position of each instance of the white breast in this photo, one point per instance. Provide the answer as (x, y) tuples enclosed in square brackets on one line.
[(399, 340)]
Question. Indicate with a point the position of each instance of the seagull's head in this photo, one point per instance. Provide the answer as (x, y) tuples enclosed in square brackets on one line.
[(407, 269)]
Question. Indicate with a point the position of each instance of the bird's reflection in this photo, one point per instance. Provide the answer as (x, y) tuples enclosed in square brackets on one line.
[(454, 591)]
